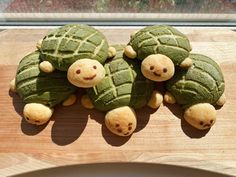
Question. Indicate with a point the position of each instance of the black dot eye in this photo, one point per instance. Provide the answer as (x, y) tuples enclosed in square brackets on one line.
[(151, 67), (164, 70), (94, 67), (78, 71), (201, 123)]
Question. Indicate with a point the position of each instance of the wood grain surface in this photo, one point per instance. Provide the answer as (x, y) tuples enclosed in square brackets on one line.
[(76, 135)]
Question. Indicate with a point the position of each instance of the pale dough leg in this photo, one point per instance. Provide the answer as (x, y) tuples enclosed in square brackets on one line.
[(111, 52), (86, 102), (133, 34), (13, 85), (186, 63), (46, 67), (36, 113), (70, 100), (129, 52), (222, 100), (169, 98), (155, 100), (39, 44)]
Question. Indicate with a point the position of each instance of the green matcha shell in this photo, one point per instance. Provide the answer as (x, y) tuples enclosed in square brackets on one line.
[(64, 45), (161, 39), (202, 83), (35, 86), (123, 85)]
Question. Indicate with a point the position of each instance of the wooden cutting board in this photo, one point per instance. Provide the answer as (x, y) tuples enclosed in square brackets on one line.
[(76, 135)]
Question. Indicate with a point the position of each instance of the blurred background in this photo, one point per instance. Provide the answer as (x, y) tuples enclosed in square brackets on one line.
[(121, 12)]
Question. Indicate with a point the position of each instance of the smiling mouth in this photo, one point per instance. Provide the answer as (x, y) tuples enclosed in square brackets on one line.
[(207, 125), (156, 74), (90, 78)]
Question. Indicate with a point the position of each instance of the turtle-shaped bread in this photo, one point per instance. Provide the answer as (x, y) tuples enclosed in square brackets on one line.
[(196, 89), (160, 48), (122, 90), (79, 49), (39, 90)]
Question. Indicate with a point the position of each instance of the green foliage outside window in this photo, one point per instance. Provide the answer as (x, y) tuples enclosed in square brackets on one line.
[(121, 6)]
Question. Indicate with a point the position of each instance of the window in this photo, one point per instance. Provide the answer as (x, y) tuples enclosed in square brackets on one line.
[(118, 12)]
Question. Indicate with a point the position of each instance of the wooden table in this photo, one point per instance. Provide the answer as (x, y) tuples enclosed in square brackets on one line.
[(76, 136)]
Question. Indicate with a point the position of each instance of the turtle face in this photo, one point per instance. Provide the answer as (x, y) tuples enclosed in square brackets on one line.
[(86, 73), (158, 67), (121, 121), (201, 116)]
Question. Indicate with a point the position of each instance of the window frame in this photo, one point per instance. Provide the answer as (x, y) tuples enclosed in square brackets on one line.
[(118, 19)]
